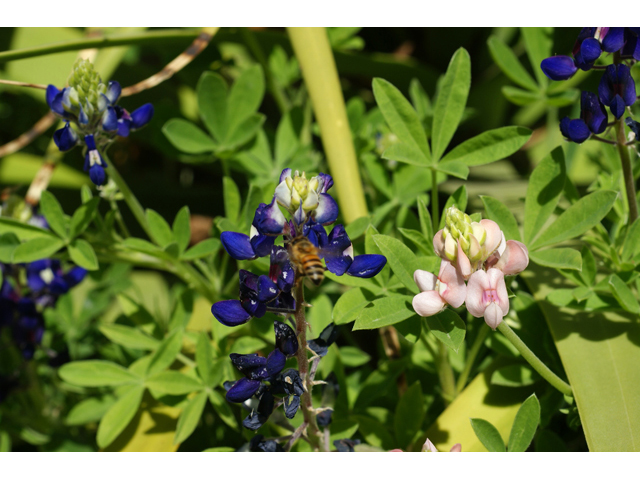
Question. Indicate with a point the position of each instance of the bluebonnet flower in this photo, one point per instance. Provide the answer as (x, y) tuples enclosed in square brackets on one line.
[(310, 207), (617, 89), (90, 110), (593, 119)]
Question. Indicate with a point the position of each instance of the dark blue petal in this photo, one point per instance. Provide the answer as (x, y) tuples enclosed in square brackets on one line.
[(248, 284), (52, 91), (627, 85), (633, 125), (243, 390), (275, 362), (267, 290), (113, 91), (110, 120), (35, 282), (575, 130), (286, 338), (300, 217), (141, 116), (280, 270), (285, 173), (338, 265), (251, 366), (237, 245), (123, 127), (74, 276), (97, 174), (617, 106), (58, 286), (613, 40), (592, 112), (290, 382), (327, 211), (345, 445), (262, 244), (284, 303), (632, 47), (559, 67), (65, 138), (590, 50), (326, 182), (56, 104), (366, 266), (253, 307), (230, 313), (259, 417), (291, 405), (268, 219), (83, 119), (324, 418), (90, 142)]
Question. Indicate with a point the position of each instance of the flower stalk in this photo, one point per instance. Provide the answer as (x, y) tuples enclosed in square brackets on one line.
[(627, 171)]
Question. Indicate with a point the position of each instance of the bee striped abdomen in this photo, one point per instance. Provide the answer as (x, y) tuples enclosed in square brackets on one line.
[(312, 267), (304, 255)]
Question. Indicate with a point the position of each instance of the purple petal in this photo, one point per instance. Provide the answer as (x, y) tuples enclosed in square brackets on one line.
[(243, 390), (338, 265), (592, 112), (327, 211), (97, 174), (275, 362), (559, 67), (52, 92), (338, 241), (286, 339), (82, 117), (285, 173), (613, 40), (230, 313), (237, 245), (141, 116), (262, 245), (65, 138), (575, 130), (123, 127), (366, 266), (110, 120), (325, 182), (268, 219), (90, 142), (113, 91), (590, 50), (74, 276), (253, 307), (267, 290), (617, 106), (35, 282)]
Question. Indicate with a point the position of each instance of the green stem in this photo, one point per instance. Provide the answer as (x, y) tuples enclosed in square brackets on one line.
[(443, 367), (435, 209), (471, 357), (627, 171), (306, 402), (318, 66), (103, 41), (118, 215), (272, 85), (534, 361)]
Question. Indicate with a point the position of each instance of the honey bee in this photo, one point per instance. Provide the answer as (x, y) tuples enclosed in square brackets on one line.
[(304, 258)]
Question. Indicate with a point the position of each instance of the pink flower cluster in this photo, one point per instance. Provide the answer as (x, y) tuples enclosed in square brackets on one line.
[(480, 256)]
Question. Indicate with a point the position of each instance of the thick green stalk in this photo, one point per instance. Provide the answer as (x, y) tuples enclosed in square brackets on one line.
[(627, 170), (471, 357), (306, 402), (320, 75), (534, 361), (443, 367), (103, 41)]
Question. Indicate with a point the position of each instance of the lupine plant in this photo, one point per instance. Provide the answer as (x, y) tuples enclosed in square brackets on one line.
[(337, 251)]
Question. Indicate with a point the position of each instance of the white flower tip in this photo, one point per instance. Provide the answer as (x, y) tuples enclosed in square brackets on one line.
[(429, 447)]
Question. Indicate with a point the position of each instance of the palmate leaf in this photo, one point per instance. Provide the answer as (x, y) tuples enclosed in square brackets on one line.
[(509, 64)]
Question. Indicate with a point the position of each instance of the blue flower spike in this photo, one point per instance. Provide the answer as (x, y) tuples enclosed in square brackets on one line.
[(617, 89)]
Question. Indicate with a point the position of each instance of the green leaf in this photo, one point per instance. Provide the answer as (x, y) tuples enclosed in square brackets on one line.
[(188, 138), (538, 42), (212, 103), (418, 239), (456, 169), (118, 416), (624, 295), (36, 249), (499, 213), (404, 153), (353, 356), (426, 225), (161, 232), (350, 305), (89, 410), (245, 131), (451, 101), (401, 117), (129, 337), (401, 259), (182, 229), (564, 99), (520, 97), (384, 312), (517, 375), (82, 254), (141, 245), (8, 243), (245, 97), (488, 435), (188, 420), (589, 268), (232, 200), (525, 425), (577, 219), (509, 64), (204, 359), (202, 249), (420, 99), (82, 217), (53, 213), (96, 373), (631, 244), (558, 258), (166, 353), (448, 327), (489, 146), (23, 230), (172, 382), (409, 415), (545, 187), (221, 406)]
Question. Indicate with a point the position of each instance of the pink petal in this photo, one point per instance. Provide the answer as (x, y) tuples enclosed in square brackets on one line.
[(456, 290), (493, 315), (501, 290), (428, 303), (429, 447), (396, 450), (456, 448), (478, 283), (514, 259), (438, 244), (494, 235), (425, 280), (463, 262)]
